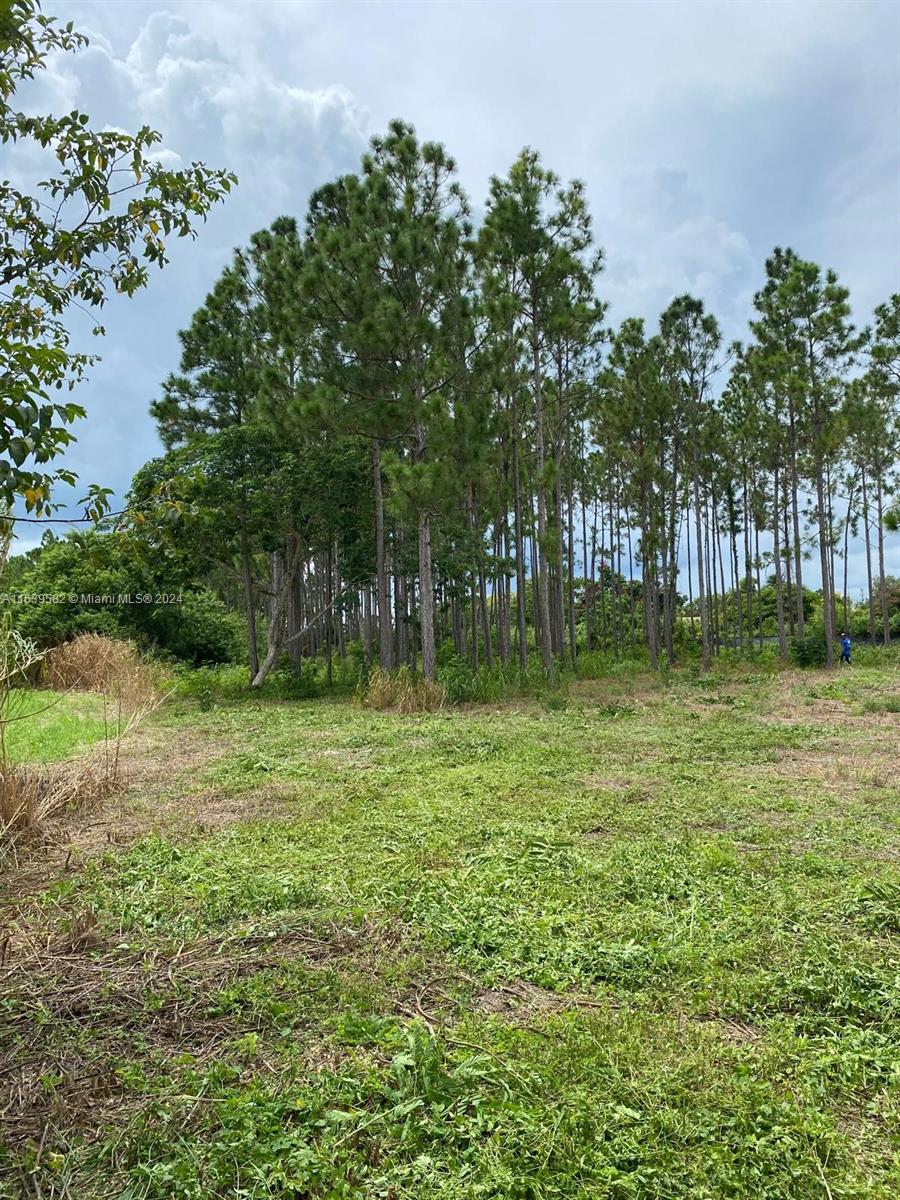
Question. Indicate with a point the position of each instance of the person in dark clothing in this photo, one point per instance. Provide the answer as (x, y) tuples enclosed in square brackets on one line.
[(845, 648)]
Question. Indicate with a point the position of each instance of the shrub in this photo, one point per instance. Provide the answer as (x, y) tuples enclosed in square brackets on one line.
[(199, 629), (224, 682), (484, 685), (350, 671), (808, 651)]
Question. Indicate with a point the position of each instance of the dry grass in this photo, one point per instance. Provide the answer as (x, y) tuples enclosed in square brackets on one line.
[(30, 797), (91, 663), (402, 691)]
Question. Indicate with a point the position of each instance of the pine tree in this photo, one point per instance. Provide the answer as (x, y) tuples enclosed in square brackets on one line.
[(537, 237)]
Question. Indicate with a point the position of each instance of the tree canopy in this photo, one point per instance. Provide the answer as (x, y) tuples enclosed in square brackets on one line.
[(94, 226)]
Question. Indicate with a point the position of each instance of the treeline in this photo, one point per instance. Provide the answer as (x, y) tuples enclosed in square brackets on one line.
[(389, 425)]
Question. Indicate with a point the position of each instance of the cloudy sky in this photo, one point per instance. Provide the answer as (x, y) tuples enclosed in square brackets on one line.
[(707, 132)]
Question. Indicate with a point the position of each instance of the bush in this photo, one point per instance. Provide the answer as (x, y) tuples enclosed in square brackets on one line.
[(199, 629), (600, 664), (231, 681), (808, 651), (222, 682), (350, 672), (462, 685)]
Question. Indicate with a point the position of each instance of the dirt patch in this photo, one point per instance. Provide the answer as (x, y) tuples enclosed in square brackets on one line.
[(344, 759), (597, 832), (739, 1033), (628, 791), (709, 827), (521, 1001), (842, 765)]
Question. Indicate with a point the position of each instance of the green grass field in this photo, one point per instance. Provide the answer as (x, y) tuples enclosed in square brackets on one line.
[(46, 726), (640, 942)]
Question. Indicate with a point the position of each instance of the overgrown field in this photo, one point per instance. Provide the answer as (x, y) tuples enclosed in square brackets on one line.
[(639, 942)]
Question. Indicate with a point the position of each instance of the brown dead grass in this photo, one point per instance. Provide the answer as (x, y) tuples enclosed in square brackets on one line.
[(841, 766), (738, 1033), (32, 797), (520, 1001), (156, 792), (401, 691), (91, 663)]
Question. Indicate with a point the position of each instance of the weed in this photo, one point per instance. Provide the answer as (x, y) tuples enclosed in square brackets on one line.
[(401, 690)]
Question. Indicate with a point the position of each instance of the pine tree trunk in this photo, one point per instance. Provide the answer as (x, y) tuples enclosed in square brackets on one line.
[(725, 626), (846, 597), (882, 581), (521, 623), (570, 565), (632, 618), (758, 564), (788, 581), (249, 604), (690, 575), (385, 642), (411, 641), (473, 618), (426, 586), (485, 621), (542, 579), (367, 626), (795, 517), (590, 599), (825, 565), (400, 614), (456, 620), (504, 611), (648, 563), (672, 570), (832, 546), (735, 567), (615, 563), (294, 623), (867, 537), (776, 553), (329, 617), (701, 583), (283, 575)]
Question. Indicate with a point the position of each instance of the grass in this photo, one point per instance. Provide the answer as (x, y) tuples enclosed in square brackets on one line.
[(639, 940), (50, 726)]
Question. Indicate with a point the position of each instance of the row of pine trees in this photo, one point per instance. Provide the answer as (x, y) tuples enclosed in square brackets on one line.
[(392, 425)]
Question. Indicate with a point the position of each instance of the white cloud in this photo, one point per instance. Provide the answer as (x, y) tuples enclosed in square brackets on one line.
[(664, 241)]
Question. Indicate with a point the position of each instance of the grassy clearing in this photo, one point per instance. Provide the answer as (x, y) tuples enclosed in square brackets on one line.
[(49, 726), (637, 941)]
